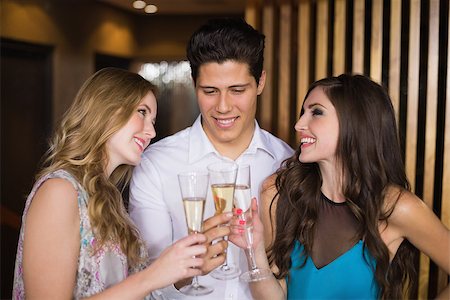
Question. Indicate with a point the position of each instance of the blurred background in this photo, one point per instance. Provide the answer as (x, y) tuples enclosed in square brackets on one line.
[(50, 47)]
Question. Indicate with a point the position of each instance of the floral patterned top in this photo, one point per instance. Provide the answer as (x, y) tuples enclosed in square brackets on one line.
[(96, 271)]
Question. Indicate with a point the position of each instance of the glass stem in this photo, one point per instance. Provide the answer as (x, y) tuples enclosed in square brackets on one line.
[(195, 282), (251, 258), (225, 264)]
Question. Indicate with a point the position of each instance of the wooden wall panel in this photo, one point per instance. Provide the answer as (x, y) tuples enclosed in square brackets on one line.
[(303, 80), (376, 45), (339, 37), (445, 208), (266, 98), (430, 137), (358, 37), (284, 72), (406, 47), (321, 39), (413, 91), (394, 54)]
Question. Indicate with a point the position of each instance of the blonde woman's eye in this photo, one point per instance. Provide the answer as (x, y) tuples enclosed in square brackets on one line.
[(142, 112)]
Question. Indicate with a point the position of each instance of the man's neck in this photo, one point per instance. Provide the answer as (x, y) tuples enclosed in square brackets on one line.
[(235, 148)]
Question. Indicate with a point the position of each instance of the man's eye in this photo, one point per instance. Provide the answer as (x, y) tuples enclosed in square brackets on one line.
[(238, 91), (209, 92)]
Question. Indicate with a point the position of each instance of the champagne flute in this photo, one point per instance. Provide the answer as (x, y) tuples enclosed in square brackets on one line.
[(222, 177), (194, 187), (242, 200)]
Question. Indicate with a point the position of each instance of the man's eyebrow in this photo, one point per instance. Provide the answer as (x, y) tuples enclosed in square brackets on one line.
[(230, 87), (239, 85)]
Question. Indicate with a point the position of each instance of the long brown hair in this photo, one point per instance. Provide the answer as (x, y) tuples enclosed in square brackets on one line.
[(103, 105), (369, 155)]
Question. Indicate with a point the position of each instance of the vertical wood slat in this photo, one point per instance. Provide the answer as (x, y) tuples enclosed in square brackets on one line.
[(251, 13), (284, 71), (304, 15), (394, 54), (376, 45), (430, 136), (321, 39), (358, 37), (339, 37), (267, 95), (445, 208), (413, 91), (411, 128)]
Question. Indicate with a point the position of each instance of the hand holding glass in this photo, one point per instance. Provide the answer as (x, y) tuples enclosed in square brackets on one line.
[(194, 186), (242, 200), (222, 177)]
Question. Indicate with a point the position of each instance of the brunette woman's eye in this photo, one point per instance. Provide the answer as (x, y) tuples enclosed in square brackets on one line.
[(317, 112)]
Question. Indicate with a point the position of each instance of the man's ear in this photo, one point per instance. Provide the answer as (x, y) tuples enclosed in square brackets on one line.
[(262, 82)]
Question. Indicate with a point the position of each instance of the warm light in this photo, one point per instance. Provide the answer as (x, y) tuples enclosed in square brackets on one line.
[(151, 9), (139, 4)]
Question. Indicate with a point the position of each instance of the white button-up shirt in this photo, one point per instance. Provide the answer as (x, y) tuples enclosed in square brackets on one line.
[(156, 205)]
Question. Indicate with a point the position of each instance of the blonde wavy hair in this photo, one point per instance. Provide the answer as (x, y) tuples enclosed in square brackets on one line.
[(103, 105)]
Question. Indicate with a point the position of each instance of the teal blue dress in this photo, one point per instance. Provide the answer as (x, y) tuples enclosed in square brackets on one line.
[(349, 276)]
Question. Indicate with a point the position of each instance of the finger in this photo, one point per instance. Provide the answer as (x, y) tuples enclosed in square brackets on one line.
[(215, 250), (214, 221), (191, 272), (212, 264), (254, 205), (216, 233), (192, 239), (196, 262), (237, 212), (195, 250)]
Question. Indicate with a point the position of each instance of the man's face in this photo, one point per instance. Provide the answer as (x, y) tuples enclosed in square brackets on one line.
[(227, 95)]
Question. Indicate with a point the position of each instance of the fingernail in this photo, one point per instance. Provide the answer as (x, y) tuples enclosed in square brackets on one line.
[(239, 211), (242, 222), (229, 214)]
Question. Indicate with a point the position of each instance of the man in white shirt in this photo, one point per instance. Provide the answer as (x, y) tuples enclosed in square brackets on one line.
[(226, 58)]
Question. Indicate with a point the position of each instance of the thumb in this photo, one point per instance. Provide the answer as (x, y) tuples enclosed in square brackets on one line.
[(254, 206)]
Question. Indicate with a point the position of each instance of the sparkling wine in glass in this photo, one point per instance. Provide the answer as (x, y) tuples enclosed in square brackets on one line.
[(242, 200), (194, 186), (222, 177)]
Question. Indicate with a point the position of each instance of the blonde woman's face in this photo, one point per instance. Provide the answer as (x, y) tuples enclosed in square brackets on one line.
[(128, 143)]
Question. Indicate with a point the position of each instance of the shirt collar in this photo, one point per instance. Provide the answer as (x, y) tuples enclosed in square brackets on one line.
[(200, 145)]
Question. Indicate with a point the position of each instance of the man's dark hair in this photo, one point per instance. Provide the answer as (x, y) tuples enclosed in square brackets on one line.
[(225, 39)]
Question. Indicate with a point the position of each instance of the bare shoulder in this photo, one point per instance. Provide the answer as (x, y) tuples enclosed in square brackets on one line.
[(55, 195), (410, 216), (268, 185), (405, 206), (268, 191)]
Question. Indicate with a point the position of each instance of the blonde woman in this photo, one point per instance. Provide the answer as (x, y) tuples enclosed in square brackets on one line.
[(76, 239)]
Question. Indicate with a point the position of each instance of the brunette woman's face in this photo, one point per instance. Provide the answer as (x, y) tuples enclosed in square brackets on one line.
[(318, 128)]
